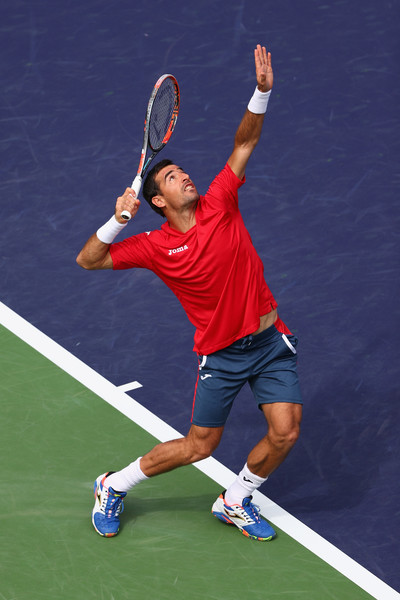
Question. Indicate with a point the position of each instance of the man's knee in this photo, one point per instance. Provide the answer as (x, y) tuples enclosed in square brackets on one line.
[(283, 423), (285, 437), (202, 441), (292, 434), (200, 452)]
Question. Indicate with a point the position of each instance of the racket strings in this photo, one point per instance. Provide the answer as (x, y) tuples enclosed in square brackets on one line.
[(161, 113)]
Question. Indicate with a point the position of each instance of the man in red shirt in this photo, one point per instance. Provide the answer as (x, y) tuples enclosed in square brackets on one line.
[(205, 255)]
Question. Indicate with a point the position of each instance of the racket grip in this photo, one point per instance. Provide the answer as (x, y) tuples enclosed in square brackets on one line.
[(136, 185)]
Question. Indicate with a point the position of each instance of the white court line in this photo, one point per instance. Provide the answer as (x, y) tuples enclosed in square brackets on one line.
[(128, 387), (377, 588)]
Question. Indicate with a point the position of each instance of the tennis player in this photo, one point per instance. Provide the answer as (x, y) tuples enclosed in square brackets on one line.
[(204, 254)]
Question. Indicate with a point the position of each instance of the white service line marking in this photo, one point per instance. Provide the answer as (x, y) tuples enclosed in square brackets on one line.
[(127, 387), (140, 415)]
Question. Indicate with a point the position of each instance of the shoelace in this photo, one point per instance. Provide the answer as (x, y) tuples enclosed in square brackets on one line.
[(111, 505), (254, 509), (247, 508)]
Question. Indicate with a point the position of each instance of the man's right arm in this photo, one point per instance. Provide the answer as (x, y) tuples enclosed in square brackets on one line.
[(95, 254)]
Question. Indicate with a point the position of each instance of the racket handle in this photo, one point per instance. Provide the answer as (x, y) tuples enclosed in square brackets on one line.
[(136, 185)]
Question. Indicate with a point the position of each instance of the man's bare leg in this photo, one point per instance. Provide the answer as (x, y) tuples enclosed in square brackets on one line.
[(283, 420), (199, 443)]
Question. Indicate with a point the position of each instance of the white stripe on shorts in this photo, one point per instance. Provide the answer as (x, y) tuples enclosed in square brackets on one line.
[(288, 344), (203, 361)]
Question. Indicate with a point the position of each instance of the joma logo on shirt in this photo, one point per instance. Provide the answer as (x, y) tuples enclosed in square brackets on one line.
[(175, 250)]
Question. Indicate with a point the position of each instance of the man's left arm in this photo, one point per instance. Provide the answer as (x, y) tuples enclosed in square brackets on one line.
[(249, 130)]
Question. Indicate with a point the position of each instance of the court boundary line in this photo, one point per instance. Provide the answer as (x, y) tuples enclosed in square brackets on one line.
[(156, 427)]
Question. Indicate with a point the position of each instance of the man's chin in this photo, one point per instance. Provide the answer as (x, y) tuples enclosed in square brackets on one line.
[(192, 197)]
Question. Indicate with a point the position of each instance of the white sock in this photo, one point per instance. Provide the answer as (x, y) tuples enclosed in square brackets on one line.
[(243, 486), (127, 478)]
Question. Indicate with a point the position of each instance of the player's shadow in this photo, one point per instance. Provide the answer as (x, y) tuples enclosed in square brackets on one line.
[(144, 505)]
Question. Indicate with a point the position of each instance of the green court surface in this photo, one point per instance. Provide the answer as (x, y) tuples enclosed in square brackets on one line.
[(57, 436)]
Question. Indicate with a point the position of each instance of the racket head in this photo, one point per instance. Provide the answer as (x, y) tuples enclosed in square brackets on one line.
[(162, 111)]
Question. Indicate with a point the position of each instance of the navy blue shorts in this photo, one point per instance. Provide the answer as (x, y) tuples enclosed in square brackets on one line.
[(268, 361)]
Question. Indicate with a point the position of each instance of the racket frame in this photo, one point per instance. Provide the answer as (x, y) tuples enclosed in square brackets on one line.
[(144, 163)]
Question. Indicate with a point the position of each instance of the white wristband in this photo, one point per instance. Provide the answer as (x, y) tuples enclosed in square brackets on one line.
[(259, 102), (110, 230)]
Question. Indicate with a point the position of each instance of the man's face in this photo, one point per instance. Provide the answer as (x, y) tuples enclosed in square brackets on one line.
[(177, 190)]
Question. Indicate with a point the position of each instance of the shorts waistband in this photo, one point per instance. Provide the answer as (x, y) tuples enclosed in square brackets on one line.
[(249, 340)]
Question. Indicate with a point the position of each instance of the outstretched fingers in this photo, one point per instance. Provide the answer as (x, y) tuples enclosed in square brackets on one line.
[(263, 64)]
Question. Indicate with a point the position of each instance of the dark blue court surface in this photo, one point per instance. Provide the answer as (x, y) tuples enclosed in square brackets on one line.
[(321, 204)]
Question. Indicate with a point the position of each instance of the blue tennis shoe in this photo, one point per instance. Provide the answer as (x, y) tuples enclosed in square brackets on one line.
[(245, 516), (107, 507)]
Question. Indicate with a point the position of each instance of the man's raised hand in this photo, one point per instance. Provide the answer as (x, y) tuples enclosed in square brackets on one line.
[(264, 73)]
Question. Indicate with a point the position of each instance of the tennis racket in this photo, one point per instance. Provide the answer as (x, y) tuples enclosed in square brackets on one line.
[(161, 115)]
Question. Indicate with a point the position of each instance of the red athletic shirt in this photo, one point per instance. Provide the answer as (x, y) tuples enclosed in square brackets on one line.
[(213, 269)]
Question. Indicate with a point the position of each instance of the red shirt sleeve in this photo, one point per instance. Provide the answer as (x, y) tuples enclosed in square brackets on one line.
[(135, 251), (223, 191)]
